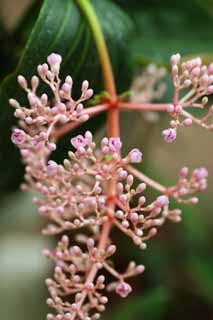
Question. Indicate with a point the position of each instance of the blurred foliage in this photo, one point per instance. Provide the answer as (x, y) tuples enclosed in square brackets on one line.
[(178, 279), (150, 306)]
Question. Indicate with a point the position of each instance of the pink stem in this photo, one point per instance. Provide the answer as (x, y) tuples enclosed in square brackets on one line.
[(155, 185), (143, 106)]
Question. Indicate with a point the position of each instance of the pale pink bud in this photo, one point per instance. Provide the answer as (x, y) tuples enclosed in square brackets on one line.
[(54, 59), (196, 71), (204, 80), (119, 214), (170, 108), (194, 200), (60, 210), (79, 141), (187, 122), (197, 62), (140, 269), (115, 144), (122, 174), (125, 224), (187, 83), (85, 85), (111, 250), (141, 187), (66, 87), (175, 59), (84, 117), (18, 136), (69, 80), (90, 243), (52, 167), (178, 109), (88, 93), (210, 68), (134, 217), (169, 135), (88, 136), (184, 172), (210, 89), (79, 108), (42, 69), (130, 179), (25, 153), (22, 81), (135, 156), (52, 146), (14, 103), (201, 173), (189, 65), (162, 201), (123, 289)]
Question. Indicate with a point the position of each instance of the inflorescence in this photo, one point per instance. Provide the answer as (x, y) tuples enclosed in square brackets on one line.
[(74, 193), (193, 83)]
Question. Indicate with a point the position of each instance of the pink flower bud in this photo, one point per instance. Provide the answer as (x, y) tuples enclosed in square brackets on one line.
[(169, 135), (88, 93), (135, 156), (123, 289), (134, 217), (79, 141), (140, 269), (162, 201), (187, 122), (210, 68), (54, 59), (196, 71), (178, 109), (187, 83), (52, 167), (115, 144), (170, 108), (18, 136), (69, 80), (210, 89), (85, 85), (184, 172), (66, 87), (201, 173), (175, 59), (22, 81)]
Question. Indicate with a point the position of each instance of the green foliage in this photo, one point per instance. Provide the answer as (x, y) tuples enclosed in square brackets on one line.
[(200, 269), (150, 306)]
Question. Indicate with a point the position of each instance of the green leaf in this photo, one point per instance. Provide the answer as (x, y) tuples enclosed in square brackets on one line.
[(62, 28), (150, 306)]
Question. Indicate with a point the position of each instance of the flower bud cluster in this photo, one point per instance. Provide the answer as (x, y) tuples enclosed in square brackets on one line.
[(70, 279), (148, 85), (44, 113), (193, 83), (141, 221), (75, 196), (187, 186)]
